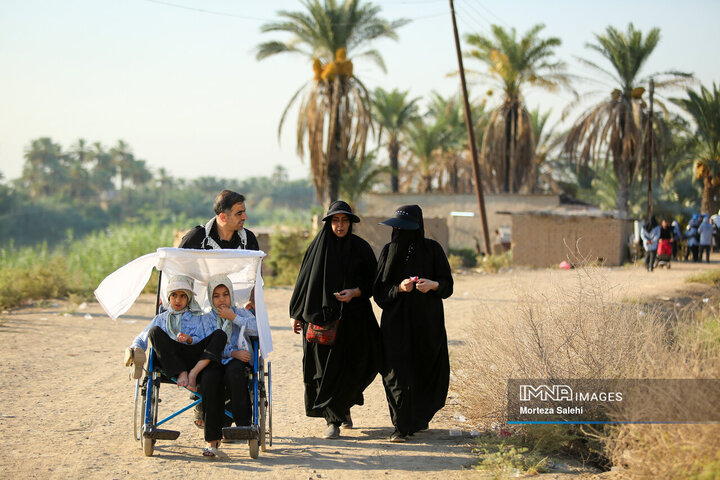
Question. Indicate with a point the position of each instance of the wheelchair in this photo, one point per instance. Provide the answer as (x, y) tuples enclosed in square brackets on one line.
[(243, 269), (147, 401)]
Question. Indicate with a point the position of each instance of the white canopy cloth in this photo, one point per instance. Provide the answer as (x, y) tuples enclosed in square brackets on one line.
[(119, 290)]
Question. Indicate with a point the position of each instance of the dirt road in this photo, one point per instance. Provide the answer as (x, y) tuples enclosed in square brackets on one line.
[(67, 407)]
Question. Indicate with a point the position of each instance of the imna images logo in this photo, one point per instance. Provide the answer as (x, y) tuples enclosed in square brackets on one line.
[(555, 393)]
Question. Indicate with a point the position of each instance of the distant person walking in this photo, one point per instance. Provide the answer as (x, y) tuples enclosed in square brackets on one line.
[(693, 237), (677, 238), (331, 307), (705, 230), (413, 278), (650, 234)]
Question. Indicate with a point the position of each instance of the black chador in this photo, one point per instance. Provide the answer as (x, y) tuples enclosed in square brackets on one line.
[(335, 376), (416, 367)]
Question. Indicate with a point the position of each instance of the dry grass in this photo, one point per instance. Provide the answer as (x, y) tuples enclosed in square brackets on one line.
[(582, 330)]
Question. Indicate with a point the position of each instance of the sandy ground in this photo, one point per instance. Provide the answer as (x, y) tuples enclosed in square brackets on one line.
[(67, 407)]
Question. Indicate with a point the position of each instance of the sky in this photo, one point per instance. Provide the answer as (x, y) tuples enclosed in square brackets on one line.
[(178, 80)]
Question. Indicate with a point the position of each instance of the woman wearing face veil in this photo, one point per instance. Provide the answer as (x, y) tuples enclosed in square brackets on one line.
[(413, 278), (334, 287)]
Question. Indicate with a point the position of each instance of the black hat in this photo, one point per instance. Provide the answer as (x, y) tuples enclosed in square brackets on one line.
[(338, 206), (407, 217)]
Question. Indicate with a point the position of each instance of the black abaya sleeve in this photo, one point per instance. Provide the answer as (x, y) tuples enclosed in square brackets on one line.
[(367, 266), (384, 293), (443, 273)]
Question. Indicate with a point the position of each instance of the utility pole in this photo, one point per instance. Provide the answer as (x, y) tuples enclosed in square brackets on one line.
[(471, 137), (650, 152)]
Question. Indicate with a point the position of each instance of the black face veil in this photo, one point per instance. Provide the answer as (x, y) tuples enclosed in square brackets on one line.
[(404, 243)]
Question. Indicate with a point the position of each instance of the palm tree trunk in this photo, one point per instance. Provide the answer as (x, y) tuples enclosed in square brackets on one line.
[(622, 174), (393, 152), (508, 143), (428, 183), (335, 155), (709, 196), (513, 148)]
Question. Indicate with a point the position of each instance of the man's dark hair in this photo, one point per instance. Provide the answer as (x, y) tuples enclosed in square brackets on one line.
[(225, 201)]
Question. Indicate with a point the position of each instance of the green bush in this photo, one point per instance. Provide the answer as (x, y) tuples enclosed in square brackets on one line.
[(468, 257), (710, 277), (286, 253), (493, 263)]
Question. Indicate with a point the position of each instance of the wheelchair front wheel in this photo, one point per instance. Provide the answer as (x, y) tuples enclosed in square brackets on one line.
[(254, 448), (153, 396)]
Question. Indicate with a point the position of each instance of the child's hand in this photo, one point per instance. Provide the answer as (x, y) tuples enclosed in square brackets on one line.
[(242, 355), (184, 338), (226, 313)]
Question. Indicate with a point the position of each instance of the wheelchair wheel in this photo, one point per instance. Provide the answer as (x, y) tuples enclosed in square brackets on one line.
[(254, 448), (269, 403), (138, 411), (152, 396)]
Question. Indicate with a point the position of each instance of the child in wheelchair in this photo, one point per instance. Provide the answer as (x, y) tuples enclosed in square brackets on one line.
[(238, 324), (185, 350)]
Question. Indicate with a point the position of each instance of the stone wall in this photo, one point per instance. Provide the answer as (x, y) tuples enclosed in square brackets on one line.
[(464, 232), (378, 235), (544, 240)]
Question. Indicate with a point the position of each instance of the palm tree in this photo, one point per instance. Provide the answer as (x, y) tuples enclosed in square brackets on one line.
[(393, 112), (454, 151), (424, 142), (43, 172), (123, 159), (704, 108), (103, 169), (614, 129), (334, 114), (361, 175), (508, 149)]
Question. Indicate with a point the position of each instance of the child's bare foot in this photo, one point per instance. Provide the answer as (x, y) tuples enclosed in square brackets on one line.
[(192, 378), (182, 379)]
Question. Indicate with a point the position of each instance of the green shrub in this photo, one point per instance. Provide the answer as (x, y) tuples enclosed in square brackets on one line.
[(710, 277), (42, 280), (286, 254), (493, 263), (467, 256)]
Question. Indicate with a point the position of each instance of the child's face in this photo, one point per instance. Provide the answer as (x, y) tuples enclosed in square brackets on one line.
[(221, 297), (178, 300)]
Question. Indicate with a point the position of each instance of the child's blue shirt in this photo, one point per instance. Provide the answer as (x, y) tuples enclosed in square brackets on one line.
[(243, 318), (190, 324)]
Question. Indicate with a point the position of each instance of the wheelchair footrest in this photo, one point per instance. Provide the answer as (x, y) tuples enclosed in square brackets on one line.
[(240, 433), (160, 434)]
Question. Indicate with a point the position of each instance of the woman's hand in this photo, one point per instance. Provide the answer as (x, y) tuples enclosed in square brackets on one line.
[(242, 355), (226, 313), (406, 286), (347, 294), (296, 325), (184, 338), (424, 285)]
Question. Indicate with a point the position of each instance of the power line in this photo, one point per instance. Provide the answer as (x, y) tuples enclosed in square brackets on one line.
[(478, 25), (245, 17), (493, 14), (210, 12)]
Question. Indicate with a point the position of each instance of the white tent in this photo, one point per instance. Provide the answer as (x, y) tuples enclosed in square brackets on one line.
[(119, 290)]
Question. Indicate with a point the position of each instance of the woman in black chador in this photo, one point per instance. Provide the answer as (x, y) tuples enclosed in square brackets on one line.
[(333, 288), (412, 279)]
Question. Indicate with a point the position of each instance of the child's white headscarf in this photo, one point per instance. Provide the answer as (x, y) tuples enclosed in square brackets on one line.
[(216, 280), (183, 283)]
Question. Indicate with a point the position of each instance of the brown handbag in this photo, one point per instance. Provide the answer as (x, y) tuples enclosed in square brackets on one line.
[(322, 334)]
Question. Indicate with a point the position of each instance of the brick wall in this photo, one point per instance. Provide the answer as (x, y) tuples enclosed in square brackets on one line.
[(546, 240), (378, 235), (463, 231)]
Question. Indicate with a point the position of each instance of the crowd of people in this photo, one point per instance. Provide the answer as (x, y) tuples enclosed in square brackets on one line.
[(344, 348), (666, 242)]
